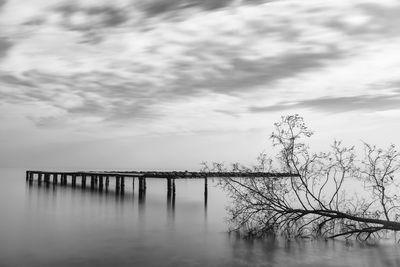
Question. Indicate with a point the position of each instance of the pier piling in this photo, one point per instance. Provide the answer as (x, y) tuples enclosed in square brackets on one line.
[(83, 181), (169, 186), (122, 181), (73, 180), (100, 182), (102, 179), (117, 183), (92, 181), (142, 185)]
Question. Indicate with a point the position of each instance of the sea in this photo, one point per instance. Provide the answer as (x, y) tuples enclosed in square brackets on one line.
[(64, 226)]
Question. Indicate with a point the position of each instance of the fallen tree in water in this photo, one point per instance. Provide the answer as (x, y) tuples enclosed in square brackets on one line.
[(332, 194)]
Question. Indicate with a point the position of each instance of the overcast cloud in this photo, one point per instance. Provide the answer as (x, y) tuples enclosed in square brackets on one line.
[(72, 71)]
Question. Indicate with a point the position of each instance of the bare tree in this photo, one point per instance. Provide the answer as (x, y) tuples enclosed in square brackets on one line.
[(316, 201)]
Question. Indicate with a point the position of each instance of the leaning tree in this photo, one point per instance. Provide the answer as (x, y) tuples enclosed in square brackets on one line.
[(331, 194)]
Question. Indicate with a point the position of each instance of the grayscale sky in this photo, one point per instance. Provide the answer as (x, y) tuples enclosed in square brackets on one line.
[(166, 84)]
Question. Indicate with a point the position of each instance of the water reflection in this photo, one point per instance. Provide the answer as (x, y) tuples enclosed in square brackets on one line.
[(106, 192), (171, 194), (76, 226), (119, 193)]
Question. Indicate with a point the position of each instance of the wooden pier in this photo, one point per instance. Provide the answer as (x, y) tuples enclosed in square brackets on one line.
[(101, 179)]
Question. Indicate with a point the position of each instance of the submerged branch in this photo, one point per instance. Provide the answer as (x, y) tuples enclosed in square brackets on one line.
[(313, 201)]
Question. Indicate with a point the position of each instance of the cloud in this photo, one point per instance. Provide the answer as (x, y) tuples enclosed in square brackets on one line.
[(5, 45), (158, 7), (385, 19), (368, 103), (199, 50), (2, 3), (45, 121), (102, 96), (247, 74), (83, 18), (110, 97), (369, 20), (15, 81), (36, 21), (133, 75)]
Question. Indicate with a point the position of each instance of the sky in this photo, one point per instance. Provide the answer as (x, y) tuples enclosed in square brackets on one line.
[(167, 84)]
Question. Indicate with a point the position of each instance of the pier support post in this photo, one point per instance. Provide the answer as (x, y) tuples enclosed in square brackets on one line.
[(73, 180), (117, 183), (101, 182), (173, 197), (122, 189), (169, 190), (55, 178), (107, 182), (39, 178), (142, 185), (142, 190), (205, 191), (30, 179), (47, 179), (92, 181), (169, 186), (83, 181)]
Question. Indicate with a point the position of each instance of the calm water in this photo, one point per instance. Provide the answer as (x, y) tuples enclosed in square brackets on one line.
[(62, 226)]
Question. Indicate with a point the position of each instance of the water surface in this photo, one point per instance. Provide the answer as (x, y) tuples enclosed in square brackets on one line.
[(62, 226)]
